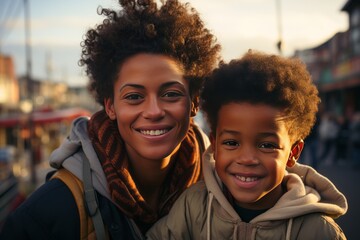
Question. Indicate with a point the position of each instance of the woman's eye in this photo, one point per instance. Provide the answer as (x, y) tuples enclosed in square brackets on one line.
[(172, 94), (133, 97)]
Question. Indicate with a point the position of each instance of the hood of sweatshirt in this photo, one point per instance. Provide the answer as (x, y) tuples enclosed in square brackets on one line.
[(307, 192), (72, 152)]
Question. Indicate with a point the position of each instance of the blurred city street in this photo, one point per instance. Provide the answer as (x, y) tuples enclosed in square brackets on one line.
[(42, 89), (346, 177)]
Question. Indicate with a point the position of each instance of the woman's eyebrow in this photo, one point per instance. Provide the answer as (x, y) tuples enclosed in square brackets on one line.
[(168, 84), (132, 85)]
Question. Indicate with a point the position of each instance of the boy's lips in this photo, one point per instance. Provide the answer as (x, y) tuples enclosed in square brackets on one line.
[(246, 179), (246, 182)]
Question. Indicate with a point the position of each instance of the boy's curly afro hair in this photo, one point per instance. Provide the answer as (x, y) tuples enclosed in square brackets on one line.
[(174, 30), (260, 78)]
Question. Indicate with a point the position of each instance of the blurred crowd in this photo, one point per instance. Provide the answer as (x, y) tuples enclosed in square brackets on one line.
[(335, 140), (10, 195)]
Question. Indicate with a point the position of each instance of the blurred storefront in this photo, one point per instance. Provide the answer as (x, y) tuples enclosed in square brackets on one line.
[(35, 116), (335, 66), (43, 129), (9, 86)]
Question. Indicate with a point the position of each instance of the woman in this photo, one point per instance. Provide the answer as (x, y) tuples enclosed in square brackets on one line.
[(145, 66)]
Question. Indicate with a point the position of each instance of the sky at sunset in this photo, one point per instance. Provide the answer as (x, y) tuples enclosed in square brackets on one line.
[(58, 26)]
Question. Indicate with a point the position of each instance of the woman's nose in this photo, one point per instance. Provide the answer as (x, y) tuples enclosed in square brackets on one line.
[(153, 109)]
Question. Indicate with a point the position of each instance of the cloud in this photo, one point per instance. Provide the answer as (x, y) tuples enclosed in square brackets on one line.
[(58, 27), (254, 24)]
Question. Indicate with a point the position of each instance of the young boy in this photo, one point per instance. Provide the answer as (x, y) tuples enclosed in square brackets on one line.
[(260, 108)]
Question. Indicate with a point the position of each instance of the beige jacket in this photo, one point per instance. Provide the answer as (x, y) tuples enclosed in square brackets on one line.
[(303, 212)]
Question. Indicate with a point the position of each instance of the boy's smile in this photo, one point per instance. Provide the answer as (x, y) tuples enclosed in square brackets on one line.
[(251, 150)]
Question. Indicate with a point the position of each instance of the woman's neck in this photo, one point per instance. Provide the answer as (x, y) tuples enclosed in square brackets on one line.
[(149, 176)]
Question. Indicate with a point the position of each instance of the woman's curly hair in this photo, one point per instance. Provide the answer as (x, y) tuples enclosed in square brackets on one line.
[(174, 30), (261, 78)]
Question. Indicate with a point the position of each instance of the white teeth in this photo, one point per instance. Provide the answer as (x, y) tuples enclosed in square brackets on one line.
[(154, 132), (246, 179)]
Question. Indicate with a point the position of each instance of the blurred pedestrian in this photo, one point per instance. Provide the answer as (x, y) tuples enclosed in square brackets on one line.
[(201, 122), (328, 131), (310, 153), (342, 140), (146, 65), (354, 140)]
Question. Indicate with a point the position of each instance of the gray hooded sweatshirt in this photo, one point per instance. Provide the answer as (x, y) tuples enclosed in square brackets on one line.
[(306, 211)]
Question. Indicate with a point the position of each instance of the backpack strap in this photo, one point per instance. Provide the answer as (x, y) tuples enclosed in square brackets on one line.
[(86, 201), (91, 202), (76, 188)]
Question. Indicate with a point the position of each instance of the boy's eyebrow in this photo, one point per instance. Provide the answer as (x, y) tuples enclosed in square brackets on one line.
[(232, 132), (227, 131), (268, 134)]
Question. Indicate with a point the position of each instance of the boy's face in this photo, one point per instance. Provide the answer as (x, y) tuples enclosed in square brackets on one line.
[(251, 150)]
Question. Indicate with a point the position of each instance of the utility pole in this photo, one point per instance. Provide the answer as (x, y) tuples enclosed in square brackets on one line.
[(279, 23), (30, 93)]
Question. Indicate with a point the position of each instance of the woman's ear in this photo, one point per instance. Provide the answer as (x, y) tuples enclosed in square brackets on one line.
[(194, 106), (109, 108), (295, 153)]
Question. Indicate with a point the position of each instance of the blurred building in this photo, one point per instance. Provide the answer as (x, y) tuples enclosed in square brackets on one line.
[(55, 95), (48, 103), (335, 66), (35, 116), (9, 86)]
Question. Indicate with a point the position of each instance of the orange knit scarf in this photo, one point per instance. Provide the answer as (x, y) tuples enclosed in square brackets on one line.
[(110, 149)]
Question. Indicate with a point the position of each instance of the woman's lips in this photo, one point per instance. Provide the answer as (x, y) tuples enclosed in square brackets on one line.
[(157, 132)]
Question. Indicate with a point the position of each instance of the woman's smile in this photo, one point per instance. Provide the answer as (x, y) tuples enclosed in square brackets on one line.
[(151, 106)]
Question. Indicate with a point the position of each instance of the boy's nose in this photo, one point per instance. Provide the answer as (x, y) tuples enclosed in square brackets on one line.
[(247, 156)]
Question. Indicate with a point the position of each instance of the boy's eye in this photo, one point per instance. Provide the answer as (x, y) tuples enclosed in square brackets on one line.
[(268, 147), (230, 143)]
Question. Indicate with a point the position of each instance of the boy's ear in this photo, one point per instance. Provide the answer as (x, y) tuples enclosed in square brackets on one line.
[(109, 108), (212, 138), (295, 153)]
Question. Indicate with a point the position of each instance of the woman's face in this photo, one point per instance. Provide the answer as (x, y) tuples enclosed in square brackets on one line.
[(151, 105)]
